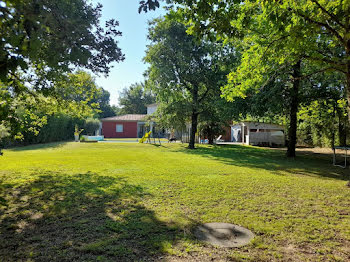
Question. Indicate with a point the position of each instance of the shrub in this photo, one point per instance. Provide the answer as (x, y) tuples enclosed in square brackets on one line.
[(91, 125)]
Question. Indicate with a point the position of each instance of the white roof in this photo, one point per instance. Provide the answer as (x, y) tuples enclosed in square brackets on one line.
[(261, 125)]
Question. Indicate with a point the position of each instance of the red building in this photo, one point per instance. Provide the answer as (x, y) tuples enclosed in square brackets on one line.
[(125, 126), (128, 126)]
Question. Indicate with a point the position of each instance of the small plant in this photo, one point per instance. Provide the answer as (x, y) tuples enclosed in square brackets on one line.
[(77, 131), (82, 139)]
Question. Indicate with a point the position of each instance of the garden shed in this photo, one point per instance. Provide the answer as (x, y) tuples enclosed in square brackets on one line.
[(258, 133)]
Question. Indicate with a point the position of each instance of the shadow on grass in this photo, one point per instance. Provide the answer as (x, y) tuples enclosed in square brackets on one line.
[(83, 217), (40, 146), (272, 160)]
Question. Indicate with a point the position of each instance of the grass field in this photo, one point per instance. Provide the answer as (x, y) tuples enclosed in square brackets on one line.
[(138, 202)]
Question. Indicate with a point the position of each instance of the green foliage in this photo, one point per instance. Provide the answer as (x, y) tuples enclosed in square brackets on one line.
[(135, 98), (274, 35), (103, 100), (91, 125), (148, 5), (185, 73), (280, 42), (55, 36), (81, 89), (4, 131), (116, 110), (59, 127), (323, 123), (42, 43), (52, 117), (315, 28)]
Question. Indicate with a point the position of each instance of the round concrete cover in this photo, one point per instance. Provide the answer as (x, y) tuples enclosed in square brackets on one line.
[(223, 234)]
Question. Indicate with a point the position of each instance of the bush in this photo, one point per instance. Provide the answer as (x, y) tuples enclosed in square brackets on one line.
[(59, 127), (91, 125)]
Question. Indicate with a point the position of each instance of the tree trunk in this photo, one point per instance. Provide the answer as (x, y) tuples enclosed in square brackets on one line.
[(292, 132), (194, 117), (348, 85), (194, 122)]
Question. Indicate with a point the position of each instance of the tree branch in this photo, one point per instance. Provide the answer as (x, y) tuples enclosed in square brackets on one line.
[(315, 72), (335, 19), (204, 95), (272, 42), (338, 66), (328, 27)]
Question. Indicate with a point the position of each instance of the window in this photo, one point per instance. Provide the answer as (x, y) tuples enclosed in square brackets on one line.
[(119, 128)]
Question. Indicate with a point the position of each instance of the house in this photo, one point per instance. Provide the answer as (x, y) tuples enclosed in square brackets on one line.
[(128, 126), (247, 132), (257, 133)]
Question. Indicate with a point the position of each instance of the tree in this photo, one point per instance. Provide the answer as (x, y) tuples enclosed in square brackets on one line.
[(81, 87), (91, 125), (312, 30), (183, 71), (103, 100), (116, 110), (322, 119), (290, 31), (42, 41), (53, 37), (134, 99), (217, 115), (74, 98)]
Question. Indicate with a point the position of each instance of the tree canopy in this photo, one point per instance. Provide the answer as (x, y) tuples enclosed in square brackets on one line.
[(275, 38), (185, 73), (55, 36), (42, 45), (135, 98)]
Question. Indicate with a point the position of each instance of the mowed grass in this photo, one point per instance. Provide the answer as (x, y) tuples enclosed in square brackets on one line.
[(139, 202)]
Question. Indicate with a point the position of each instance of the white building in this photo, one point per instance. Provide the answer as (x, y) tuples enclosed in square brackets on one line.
[(256, 133)]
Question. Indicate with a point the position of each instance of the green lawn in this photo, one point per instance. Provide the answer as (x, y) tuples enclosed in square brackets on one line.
[(132, 202)]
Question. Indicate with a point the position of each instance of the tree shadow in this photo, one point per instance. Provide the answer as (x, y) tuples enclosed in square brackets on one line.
[(273, 160), (85, 217), (52, 145)]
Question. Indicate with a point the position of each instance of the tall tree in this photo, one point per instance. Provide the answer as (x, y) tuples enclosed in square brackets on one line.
[(53, 36), (183, 70), (103, 100), (81, 87), (41, 41), (134, 99), (314, 31)]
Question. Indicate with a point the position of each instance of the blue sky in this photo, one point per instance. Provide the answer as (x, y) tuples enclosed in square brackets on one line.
[(133, 44)]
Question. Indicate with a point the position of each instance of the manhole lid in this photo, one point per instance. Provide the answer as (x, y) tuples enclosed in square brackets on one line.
[(223, 234)]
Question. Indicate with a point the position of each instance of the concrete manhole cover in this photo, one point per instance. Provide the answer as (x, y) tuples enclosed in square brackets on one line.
[(223, 234)]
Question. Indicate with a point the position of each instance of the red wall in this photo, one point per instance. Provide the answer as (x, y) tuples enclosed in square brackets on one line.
[(129, 129)]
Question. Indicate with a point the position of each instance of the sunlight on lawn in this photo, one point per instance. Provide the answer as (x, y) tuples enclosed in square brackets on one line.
[(123, 201)]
